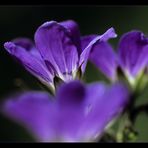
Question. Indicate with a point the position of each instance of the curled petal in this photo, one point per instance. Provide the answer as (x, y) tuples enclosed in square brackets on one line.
[(85, 40), (110, 33)]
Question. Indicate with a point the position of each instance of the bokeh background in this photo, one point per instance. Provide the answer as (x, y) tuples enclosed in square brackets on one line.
[(22, 21)]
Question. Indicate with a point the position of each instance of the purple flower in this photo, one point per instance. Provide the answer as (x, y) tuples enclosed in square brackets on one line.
[(132, 56), (58, 51), (77, 112)]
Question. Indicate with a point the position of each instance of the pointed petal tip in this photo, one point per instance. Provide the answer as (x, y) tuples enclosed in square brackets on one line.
[(112, 32)]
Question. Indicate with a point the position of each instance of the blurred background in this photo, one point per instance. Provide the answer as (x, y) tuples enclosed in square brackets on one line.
[(22, 21)]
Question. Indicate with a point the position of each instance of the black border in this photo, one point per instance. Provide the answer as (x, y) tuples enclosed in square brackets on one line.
[(73, 2)]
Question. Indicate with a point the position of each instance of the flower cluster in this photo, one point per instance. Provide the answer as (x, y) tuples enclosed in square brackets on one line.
[(75, 111)]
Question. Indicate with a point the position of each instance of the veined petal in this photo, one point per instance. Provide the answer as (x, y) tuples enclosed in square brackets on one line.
[(57, 49), (30, 62), (74, 32), (133, 52), (104, 58), (110, 33)]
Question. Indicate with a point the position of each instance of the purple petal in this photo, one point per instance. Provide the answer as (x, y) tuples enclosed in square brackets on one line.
[(133, 52), (34, 111), (110, 33), (85, 40), (78, 113), (74, 106), (24, 42), (57, 49), (30, 62), (73, 28), (104, 109), (104, 58), (72, 93), (70, 101), (28, 45), (86, 111)]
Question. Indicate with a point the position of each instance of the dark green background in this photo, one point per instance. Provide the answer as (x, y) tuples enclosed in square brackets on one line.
[(22, 21)]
